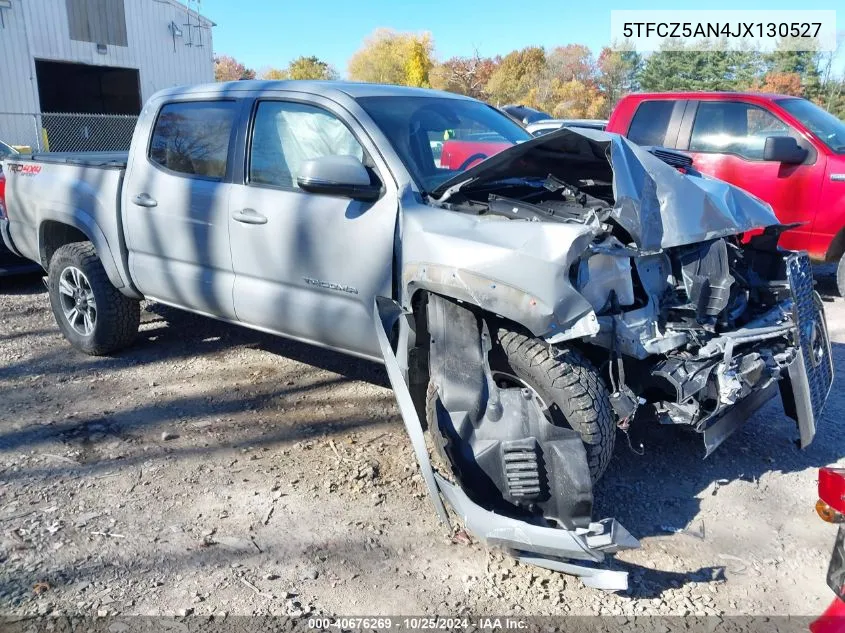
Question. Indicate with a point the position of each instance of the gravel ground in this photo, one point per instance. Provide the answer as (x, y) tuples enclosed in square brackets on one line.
[(211, 469)]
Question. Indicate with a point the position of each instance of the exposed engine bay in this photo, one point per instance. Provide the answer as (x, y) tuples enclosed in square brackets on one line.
[(636, 285), (686, 331)]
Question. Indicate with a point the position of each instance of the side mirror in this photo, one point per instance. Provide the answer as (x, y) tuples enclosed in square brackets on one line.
[(342, 176), (784, 149)]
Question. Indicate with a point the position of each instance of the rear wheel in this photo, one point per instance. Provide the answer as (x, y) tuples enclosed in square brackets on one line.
[(840, 276), (92, 314)]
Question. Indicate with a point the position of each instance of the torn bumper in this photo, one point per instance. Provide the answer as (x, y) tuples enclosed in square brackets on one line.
[(552, 548), (811, 373), (803, 369)]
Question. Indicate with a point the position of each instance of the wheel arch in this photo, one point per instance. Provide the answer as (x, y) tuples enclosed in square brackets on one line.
[(418, 369), (837, 247), (57, 229)]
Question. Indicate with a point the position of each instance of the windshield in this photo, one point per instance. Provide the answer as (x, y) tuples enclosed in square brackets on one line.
[(829, 129), (439, 137), (6, 151)]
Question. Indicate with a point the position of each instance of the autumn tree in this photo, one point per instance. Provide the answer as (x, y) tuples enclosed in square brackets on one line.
[(310, 68), (274, 74), (465, 75), (516, 75), (575, 99), (803, 63), (227, 68), (302, 68), (418, 65), (781, 83), (571, 62), (616, 76), (390, 57)]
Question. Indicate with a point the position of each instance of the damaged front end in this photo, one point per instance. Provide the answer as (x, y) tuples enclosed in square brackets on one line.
[(711, 330), (625, 257)]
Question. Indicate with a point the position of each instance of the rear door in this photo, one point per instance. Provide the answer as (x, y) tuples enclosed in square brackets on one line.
[(175, 207), (726, 140), (307, 265)]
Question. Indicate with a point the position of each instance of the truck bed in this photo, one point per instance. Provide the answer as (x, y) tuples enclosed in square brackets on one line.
[(76, 189), (90, 159)]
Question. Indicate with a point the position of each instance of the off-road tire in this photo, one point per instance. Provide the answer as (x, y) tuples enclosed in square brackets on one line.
[(117, 316), (840, 276), (572, 389)]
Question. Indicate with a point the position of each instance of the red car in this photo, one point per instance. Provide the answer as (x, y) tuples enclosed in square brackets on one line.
[(785, 150), (831, 508)]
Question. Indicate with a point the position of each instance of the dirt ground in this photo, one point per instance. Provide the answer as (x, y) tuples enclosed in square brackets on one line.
[(210, 469)]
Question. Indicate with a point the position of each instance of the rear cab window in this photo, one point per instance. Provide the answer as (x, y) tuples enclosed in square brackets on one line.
[(192, 137), (651, 122)]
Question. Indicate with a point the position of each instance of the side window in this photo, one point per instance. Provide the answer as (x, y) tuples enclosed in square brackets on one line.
[(730, 127), (192, 137), (650, 122), (286, 134)]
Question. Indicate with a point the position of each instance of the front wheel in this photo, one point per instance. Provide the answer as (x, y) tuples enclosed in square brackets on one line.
[(91, 313), (569, 388), (840, 276)]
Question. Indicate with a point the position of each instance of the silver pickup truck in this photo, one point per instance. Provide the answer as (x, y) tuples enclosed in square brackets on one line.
[(528, 306)]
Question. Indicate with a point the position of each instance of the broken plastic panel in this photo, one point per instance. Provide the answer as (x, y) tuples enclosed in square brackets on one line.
[(549, 547)]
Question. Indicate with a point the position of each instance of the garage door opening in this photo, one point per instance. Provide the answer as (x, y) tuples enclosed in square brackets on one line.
[(109, 97), (66, 87)]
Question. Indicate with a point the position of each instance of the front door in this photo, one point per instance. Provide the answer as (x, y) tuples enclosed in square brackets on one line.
[(309, 265), (727, 141), (175, 208)]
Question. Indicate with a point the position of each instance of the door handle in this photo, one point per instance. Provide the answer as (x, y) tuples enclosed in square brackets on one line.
[(144, 200), (249, 216)]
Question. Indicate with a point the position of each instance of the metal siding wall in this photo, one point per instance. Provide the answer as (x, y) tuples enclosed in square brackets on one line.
[(18, 89), (39, 29), (163, 67)]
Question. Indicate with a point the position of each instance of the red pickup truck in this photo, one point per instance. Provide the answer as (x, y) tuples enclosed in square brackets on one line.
[(785, 150)]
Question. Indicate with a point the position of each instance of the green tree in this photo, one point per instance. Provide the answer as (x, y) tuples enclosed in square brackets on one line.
[(676, 68)]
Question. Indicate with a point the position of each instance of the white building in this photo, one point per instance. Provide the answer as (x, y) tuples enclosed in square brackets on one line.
[(104, 57)]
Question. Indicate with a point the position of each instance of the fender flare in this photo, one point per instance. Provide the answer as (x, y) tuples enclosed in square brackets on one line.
[(83, 222)]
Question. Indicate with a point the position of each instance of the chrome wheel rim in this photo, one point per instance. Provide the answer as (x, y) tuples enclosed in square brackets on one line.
[(77, 299)]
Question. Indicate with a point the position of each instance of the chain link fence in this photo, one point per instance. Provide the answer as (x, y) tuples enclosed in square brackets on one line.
[(67, 131)]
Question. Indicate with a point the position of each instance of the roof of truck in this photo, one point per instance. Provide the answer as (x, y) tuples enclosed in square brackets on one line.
[(326, 88), (706, 94)]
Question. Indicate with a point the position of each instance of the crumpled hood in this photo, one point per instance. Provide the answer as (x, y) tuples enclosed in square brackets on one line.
[(655, 203)]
